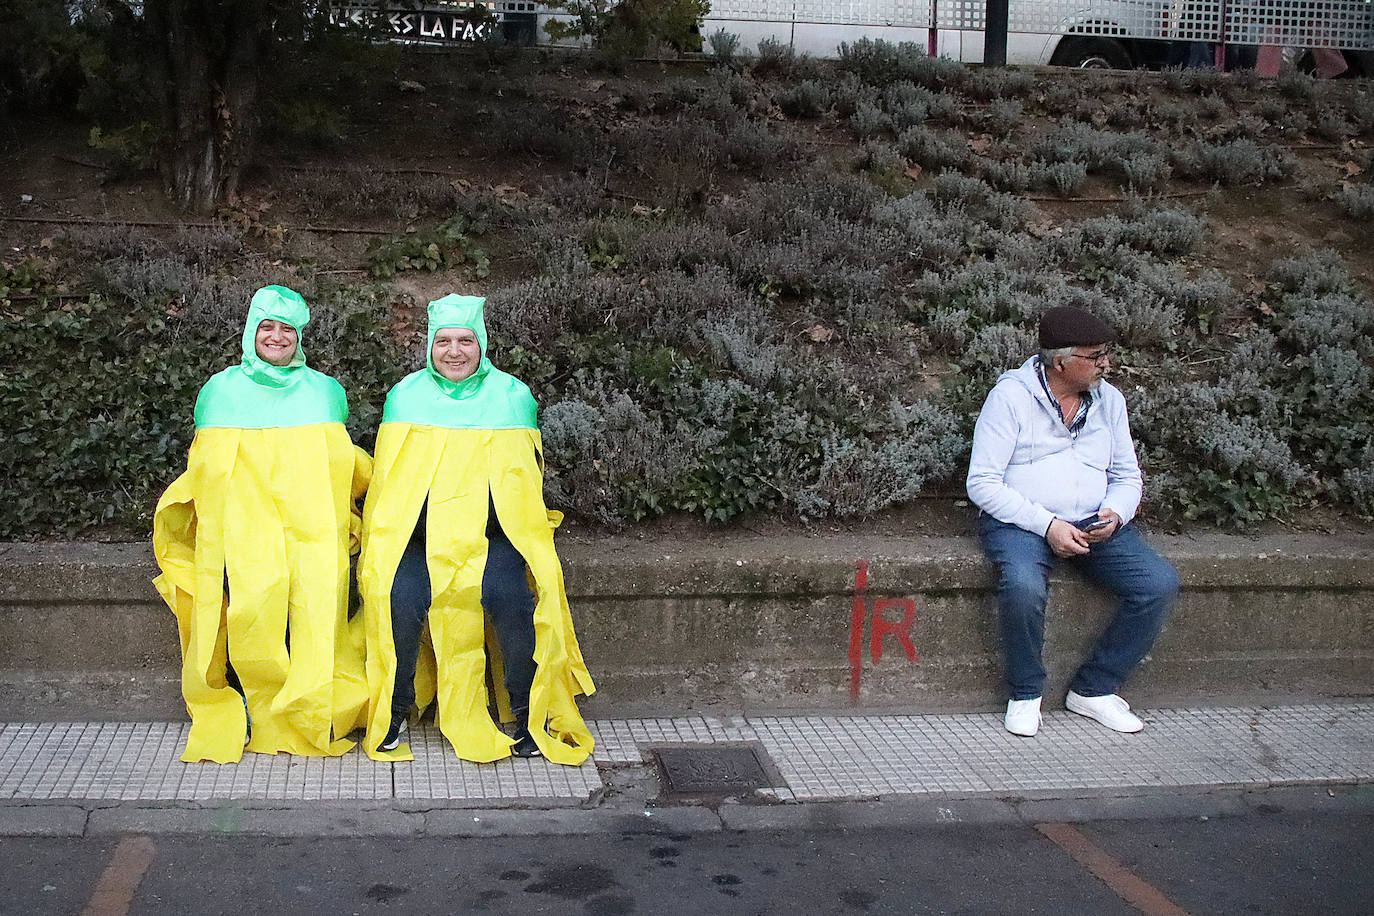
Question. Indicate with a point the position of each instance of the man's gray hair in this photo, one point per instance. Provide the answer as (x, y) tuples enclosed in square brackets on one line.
[(1047, 357)]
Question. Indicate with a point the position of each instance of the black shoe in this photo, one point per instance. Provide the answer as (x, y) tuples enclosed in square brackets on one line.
[(524, 741), (524, 744), (393, 735)]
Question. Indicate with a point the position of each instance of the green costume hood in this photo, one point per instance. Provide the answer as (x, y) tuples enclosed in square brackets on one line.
[(274, 303), (258, 395), (487, 399)]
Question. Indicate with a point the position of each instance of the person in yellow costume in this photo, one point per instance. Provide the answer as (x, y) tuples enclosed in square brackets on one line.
[(253, 542), (455, 525)]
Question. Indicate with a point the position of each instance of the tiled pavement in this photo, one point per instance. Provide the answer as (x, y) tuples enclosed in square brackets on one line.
[(816, 757)]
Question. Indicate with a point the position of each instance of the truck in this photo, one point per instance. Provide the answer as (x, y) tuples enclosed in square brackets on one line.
[(1102, 34)]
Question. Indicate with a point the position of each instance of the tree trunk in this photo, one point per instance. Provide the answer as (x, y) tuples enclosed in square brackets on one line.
[(207, 54)]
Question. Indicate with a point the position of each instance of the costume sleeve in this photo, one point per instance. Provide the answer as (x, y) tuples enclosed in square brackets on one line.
[(174, 545), (994, 442), (1123, 473), (362, 478)]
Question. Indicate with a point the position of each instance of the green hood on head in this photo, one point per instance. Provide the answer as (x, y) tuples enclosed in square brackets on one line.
[(487, 399), (453, 311), (274, 303), (258, 395)]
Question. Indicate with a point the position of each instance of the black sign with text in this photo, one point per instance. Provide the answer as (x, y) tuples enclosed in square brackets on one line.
[(424, 25)]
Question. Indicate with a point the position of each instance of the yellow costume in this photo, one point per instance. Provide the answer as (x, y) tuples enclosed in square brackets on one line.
[(266, 507), (460, 447)]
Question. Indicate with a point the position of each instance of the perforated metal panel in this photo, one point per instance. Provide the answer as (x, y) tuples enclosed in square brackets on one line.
[(961, 14), (1193, 21), (827, 12), (1302, 23), (865, 12), (753, 10), (1142, 19), (1296, 23)]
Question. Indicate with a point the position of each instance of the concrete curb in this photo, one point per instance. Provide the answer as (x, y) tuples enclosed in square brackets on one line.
[(37, 819), (234, 818)]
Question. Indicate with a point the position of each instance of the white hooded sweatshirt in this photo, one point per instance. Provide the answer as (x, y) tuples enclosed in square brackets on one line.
[(1028, 468)]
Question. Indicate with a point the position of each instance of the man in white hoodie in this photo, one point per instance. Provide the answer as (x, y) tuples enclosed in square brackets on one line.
[(1054, 472)]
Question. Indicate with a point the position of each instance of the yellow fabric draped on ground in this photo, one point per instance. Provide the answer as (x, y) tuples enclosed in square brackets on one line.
[(272, 512), (455, 469)]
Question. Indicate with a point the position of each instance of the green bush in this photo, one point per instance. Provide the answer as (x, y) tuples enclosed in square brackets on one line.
[(310, 122), (1237, 162), (724, 46), (132, 147), (879, 63), (774, 57), (41, 56), (1357, 202), (446, 245), (720, 317), (98, 389), (631, 27), (88, 447), (807, 99), (1290, 417)]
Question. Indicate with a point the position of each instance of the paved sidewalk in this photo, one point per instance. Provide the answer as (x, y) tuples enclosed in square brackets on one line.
[(816, 758)]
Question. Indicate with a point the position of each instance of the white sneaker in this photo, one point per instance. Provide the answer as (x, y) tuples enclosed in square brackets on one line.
[(1023, 717), (1110, 710), (395, 736)]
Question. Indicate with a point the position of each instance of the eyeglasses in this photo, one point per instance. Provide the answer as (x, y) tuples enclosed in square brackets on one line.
[(1101, 357)]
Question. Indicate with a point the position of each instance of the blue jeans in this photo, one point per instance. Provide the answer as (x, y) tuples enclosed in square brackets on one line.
[(1124, 564), (506, 598)]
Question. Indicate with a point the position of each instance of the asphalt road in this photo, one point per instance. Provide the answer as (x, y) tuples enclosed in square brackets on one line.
[(1263, 862)]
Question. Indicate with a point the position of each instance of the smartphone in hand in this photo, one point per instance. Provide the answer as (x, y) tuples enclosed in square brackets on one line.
[(1092, 523)]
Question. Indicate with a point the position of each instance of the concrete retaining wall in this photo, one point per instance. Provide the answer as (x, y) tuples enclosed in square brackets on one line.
[(748, 624)]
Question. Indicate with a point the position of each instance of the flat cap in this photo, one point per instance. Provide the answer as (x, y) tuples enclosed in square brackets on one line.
[(1067, 326)]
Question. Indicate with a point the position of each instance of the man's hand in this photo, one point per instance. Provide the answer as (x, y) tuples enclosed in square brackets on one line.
[(1099, 535), (1066, 540)]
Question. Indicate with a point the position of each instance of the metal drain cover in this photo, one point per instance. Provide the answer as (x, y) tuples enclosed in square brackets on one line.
[(711, 770)]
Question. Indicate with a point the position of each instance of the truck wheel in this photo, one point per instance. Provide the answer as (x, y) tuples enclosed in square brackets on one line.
[(1091, 54)]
